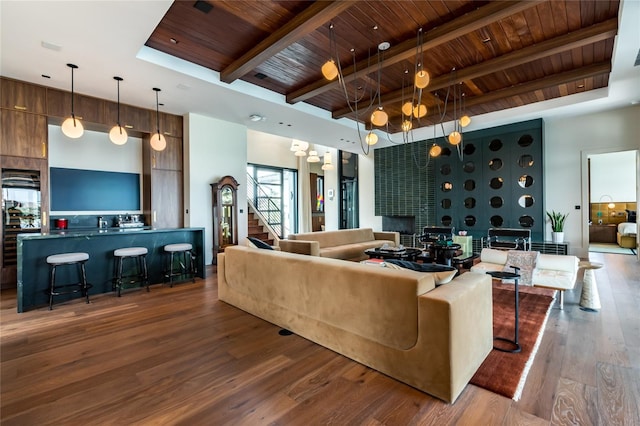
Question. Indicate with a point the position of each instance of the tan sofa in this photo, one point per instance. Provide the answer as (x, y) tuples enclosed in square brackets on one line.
[(346, 244), (394, 321)]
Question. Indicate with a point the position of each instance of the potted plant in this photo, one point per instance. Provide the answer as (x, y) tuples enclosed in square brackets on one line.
[(557, 225)]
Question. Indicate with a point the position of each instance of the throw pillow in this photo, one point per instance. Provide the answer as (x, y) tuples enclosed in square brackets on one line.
[(525, 260), (442, 274), (259, 244)]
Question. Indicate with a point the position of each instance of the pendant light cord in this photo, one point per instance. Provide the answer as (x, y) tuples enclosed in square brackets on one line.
[(73, 115)]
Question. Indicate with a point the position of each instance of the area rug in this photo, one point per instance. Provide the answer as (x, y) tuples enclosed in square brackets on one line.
[(609, 248), (506, 373)]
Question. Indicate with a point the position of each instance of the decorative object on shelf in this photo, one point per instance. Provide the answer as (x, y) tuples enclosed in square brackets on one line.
[(118, 135), (158, 142), (72, 127), (557, 225)]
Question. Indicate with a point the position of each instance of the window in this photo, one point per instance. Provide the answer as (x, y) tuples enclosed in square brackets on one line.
[(274, 194)]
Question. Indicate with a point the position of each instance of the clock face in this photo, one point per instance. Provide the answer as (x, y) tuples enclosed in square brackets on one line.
[(227, 196)]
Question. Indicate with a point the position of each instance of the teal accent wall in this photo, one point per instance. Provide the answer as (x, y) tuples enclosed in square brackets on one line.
[(406, 185)]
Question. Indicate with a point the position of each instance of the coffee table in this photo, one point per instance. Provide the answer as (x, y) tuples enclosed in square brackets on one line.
[(409, 253), (509, 276)]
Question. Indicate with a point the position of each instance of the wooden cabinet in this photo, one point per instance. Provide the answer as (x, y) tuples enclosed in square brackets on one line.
[(166, 202), (131, 118), (603, 233), (20, 96), (170, 158), (170, 125), (85, 108), (162, 199), (23, 134)]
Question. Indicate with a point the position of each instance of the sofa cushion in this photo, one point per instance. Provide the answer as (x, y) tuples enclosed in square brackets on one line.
[(484, 267), (498, 257), (525, 260), (336, 238), (550, 278), (557, 262), (354, 251)]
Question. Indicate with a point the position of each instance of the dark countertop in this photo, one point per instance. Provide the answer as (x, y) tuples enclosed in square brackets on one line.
[(81, 232)]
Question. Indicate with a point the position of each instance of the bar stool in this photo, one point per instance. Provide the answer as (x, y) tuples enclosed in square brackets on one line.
[(186, 268), (62, 259), (139, 255)]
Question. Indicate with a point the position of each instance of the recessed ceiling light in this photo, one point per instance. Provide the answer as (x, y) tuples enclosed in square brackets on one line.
[(45, 76), (257, 117), (580, 86), (173, 40)]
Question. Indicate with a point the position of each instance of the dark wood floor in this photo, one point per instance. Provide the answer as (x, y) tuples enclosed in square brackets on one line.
[(179, 356)]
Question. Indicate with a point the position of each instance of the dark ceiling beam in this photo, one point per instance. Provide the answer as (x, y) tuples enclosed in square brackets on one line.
[(579, 38), (492, 12), (299, 26), (531, 86)]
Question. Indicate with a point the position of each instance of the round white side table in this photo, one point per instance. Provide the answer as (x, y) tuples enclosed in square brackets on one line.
[(590, 299)]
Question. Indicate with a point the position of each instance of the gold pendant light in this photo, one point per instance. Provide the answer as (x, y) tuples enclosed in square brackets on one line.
[(158, 142), (72, 127), (118, 134)]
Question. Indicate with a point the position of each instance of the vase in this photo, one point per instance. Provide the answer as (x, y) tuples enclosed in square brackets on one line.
[(557, 237)]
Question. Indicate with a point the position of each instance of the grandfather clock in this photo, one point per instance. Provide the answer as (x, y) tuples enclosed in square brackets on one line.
[(225, 214)]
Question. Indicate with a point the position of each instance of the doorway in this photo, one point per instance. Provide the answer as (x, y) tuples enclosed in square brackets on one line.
[(612, 183)]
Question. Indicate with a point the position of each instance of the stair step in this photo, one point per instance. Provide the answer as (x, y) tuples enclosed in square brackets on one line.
[(264, 236), (257, 229)]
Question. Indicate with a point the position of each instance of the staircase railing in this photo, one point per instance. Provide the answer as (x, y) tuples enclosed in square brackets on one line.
[(269, 212)]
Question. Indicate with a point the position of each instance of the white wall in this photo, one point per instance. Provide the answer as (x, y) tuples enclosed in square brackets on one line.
[(366, 186), (613, 174), (270, 150), (213, 149), (567, 144)]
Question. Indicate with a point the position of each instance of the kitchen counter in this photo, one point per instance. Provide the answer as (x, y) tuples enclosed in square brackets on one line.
[(33, 270)]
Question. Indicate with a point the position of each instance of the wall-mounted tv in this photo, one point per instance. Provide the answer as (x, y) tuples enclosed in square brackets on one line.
[(94, 190)]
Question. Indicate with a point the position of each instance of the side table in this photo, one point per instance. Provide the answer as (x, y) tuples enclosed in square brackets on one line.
[(589, 298), (509, 276)]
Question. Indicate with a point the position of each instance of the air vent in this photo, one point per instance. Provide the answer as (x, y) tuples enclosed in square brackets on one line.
[(637, 62), (203, 6), (260, 76)]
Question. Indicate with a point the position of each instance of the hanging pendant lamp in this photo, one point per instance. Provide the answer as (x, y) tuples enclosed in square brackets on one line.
[(118, 134), (72, 127), (158, 142)]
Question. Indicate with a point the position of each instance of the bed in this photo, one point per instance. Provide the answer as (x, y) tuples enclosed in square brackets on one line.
[(627, 231)]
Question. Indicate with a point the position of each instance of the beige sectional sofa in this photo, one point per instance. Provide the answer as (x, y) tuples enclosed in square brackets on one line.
[(346, 244), (553, 271), (394, 321)]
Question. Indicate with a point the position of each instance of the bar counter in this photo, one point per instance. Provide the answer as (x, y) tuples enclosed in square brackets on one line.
[(33, 249)]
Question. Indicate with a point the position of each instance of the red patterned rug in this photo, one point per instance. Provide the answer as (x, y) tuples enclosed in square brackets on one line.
[(503, 372)]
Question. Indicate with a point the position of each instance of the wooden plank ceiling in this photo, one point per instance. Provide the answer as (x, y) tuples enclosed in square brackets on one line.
[(497, 55)]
